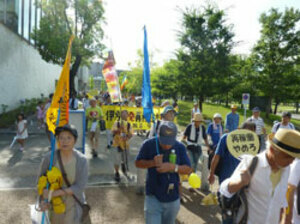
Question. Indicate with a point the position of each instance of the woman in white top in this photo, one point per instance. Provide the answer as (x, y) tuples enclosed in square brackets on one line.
[(22, 133)]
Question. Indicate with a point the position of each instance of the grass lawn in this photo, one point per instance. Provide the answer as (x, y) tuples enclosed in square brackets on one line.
[(209, 110)]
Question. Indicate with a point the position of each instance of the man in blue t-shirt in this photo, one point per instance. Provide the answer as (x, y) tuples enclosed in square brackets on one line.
[(224, 162), (162, 201)]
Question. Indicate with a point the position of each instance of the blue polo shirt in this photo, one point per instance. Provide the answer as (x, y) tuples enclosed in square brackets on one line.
[(227, 162), (214, 133), (232, 121), (157, 184)]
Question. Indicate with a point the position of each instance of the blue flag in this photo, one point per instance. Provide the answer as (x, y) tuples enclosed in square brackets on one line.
[(146, 89)]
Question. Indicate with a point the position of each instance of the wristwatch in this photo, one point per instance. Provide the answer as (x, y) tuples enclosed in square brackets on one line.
[(176, 168)]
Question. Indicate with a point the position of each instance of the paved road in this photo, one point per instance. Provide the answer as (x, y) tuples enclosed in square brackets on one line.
[(111, 203)]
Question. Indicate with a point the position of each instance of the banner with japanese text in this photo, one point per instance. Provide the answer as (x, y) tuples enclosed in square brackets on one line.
[(135, 116)]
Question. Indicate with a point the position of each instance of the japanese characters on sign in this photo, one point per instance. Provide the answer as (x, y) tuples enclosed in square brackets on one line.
[(240, 142), (135, 116)]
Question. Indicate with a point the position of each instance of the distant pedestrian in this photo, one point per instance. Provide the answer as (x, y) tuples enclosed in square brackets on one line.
[(285, 122), (195, 134), (40, 114), (232, 119), (195, 109), (260, 127), (46, 107), (73, 102), (122, 132), (94, 114), (214, 132), (164, 164), (22, 133)]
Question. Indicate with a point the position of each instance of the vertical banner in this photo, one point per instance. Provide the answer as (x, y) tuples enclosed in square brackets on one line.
[(60, 98), (146, 90), (111, 77)]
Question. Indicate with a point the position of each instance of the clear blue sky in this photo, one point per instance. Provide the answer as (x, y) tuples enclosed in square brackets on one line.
[(126, 18)]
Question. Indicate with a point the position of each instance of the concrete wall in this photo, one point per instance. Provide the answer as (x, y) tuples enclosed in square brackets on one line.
[(23, 73)]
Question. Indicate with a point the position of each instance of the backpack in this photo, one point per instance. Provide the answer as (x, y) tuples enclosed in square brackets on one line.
[(278, 125), (231, 206)]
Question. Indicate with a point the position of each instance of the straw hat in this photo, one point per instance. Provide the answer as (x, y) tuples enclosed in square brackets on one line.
[(233, 106), (198, 117), (287, 141)]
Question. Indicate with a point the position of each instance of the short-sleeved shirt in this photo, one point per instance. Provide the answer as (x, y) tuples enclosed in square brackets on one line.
[(157, 184), (93, 113), (280, 125), (232, 121), (188, 130), (259, 122), (125, 128), (228, 163), (294, 179), (214, 132)]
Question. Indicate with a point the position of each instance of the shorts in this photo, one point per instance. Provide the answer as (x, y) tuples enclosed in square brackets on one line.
[(117, 158)]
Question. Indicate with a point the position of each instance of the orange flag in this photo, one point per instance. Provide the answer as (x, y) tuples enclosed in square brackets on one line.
[(60, 98)]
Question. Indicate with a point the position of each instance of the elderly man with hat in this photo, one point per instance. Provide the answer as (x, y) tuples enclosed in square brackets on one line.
[(232, 119), (267, 187), (260, 127), (285, 122), (164, 161), (195, 134), (93, 114)]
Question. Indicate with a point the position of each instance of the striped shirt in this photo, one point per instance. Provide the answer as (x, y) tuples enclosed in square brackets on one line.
[(259, 122)]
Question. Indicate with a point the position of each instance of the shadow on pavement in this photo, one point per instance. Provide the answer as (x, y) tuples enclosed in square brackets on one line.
[(17, 157), (192, 202)]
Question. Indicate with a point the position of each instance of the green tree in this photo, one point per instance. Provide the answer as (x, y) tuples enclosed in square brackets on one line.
[(61, 19), (276, 53), (204, 57)]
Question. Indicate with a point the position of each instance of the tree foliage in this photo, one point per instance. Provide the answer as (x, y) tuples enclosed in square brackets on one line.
[(206, 44), (61, 19), (276, 54)]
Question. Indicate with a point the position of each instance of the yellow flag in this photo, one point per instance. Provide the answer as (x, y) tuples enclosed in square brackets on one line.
[(60, 98)]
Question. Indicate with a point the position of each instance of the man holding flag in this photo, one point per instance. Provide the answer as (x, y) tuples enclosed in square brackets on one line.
[(162, 201)]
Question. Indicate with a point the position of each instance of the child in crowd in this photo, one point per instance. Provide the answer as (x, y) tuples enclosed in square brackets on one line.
[(40, 114), (22, 133)]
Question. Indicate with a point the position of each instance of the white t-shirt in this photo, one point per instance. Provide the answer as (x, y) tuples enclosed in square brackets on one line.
[(21, 125), (294, 179), (280, 125), (259, 122)]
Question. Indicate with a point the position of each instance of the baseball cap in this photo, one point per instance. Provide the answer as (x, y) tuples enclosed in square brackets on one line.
[(167, 133), (256, 109)]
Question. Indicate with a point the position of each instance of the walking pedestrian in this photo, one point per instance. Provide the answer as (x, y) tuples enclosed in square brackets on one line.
[(232, 119), (164, 165), (94, 115), (260, 127), (214, 132), (292, 212), (40, 114), (267, 187), (22, 133), (122, 132), (195, 134), (285, 122), (195, 109), (74, 164)]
